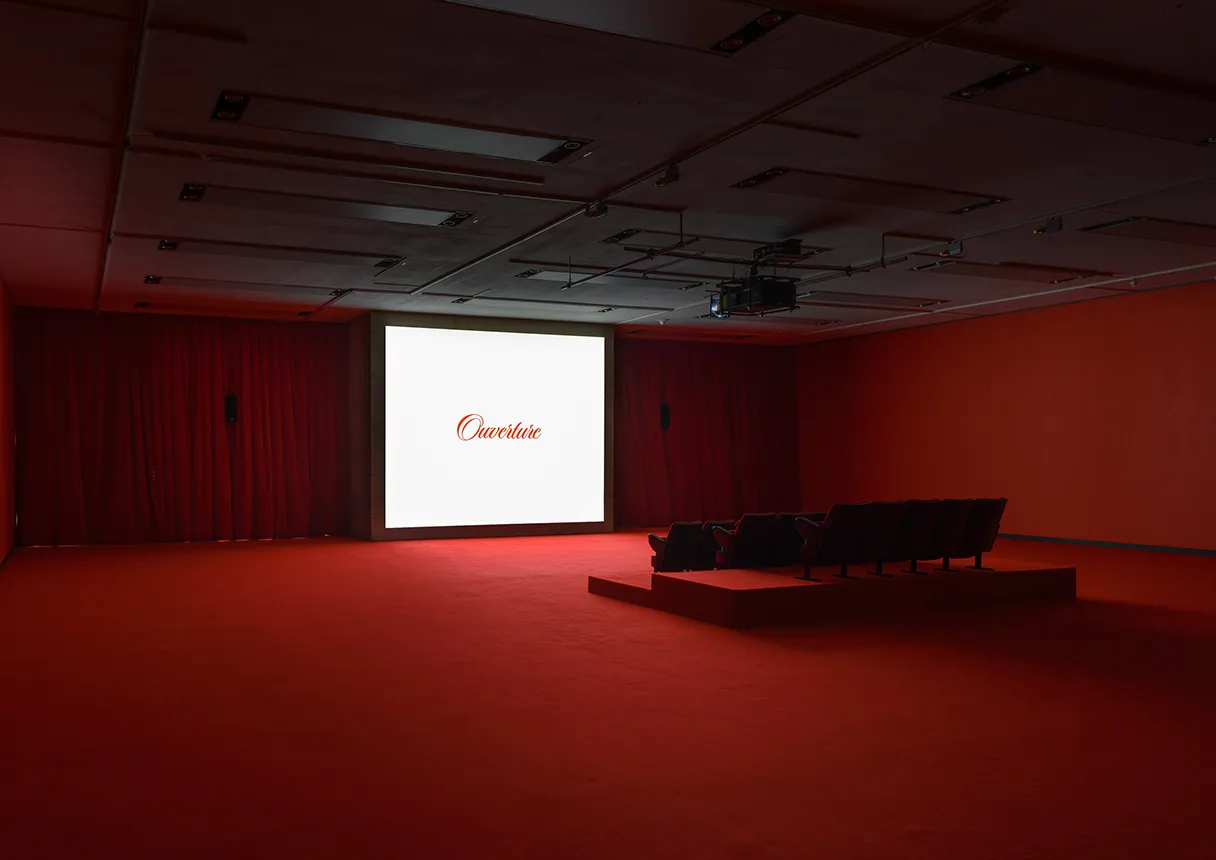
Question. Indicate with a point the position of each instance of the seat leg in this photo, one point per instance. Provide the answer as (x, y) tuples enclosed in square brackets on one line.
[(979, 563), (806, 573), (946, 566), (877, 571), (912, 569), (844, 572)]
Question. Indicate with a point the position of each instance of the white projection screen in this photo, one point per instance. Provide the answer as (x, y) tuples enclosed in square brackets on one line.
[(490, 427)]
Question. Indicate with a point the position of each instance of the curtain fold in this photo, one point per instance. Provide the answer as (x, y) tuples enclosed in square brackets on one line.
[(731, 447), (122, 436)]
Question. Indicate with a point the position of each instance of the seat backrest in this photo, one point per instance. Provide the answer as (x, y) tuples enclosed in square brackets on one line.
[(948, 531), (880, 532), (982, 527), (682, 551), (754, 535), (786, 540), (915, 529), (709, 545), (841, 533)]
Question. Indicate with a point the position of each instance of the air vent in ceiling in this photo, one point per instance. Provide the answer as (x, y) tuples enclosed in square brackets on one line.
[(304, 204), (283, 114), (592, 307), (867, 191), (696, 24), (1159, 229), (620, 279)]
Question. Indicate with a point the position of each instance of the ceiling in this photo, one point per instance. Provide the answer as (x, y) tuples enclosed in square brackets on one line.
[(310, 161)]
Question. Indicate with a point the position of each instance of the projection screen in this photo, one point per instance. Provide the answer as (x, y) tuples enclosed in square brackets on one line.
[(491, 427)]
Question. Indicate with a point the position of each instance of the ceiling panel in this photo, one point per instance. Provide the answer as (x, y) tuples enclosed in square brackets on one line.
[(1106, 104), (49, 268), (53, 184), (1159, 229), (65, 74), (868, 191)]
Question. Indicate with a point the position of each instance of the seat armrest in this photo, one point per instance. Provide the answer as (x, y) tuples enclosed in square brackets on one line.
[(808, 529), (724, 537), (657, 543), (819, 516)]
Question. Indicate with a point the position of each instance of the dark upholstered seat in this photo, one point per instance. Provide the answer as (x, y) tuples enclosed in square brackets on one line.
[(880, 535), (835, 539), (786, 540), (951, 522), (983, 525), (680, 550), (749, 543), (916, 529), (709, 544)]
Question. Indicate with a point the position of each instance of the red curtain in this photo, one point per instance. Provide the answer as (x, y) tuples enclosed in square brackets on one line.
[(732, 441), (8, 516), (122, 434)]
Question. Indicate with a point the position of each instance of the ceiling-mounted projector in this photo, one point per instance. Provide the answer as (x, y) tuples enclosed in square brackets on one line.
[(754, 295)]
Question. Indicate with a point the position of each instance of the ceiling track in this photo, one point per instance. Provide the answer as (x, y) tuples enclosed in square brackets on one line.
[(825, 86)]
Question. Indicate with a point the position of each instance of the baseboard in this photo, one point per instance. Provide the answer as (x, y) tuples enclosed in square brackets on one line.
[(1112, 544)]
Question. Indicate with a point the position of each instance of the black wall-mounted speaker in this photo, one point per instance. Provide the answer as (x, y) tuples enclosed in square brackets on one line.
[(230, 408), (664, 415)]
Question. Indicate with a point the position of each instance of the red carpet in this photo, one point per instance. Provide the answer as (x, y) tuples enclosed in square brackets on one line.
[(470, 699)]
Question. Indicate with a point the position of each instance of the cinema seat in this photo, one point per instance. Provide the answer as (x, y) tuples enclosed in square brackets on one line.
[(834, 540), (708, 547), (879, 538), (915, 532), (680, 550), (978, 538), (749, 543), (951, 522), (786, 540)]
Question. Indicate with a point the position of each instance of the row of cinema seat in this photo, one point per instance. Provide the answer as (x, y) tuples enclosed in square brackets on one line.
[(865, 533)]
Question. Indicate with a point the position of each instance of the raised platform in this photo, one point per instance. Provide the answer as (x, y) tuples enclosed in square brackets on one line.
[(769, 597)]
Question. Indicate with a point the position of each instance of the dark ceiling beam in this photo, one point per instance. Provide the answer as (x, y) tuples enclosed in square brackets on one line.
[(63, 139), (389, 178), (120, 166), (825, 86), (69, 10)]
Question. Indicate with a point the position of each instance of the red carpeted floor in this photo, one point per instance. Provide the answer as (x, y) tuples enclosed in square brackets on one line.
[(470, 699)]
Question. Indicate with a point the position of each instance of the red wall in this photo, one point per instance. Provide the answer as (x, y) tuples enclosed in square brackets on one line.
[(122, 434), (730, 446), (8, 509), (1096, 419)]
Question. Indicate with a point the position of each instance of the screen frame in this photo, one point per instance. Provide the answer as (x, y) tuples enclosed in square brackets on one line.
[(381, 320)]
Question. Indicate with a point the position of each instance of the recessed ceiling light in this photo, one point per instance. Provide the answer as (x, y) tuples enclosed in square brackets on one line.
[(192, 192), (304, 314), (987, 85), (229, 107), (151, 279), (983, 204), (752, 30), (167, 245)]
